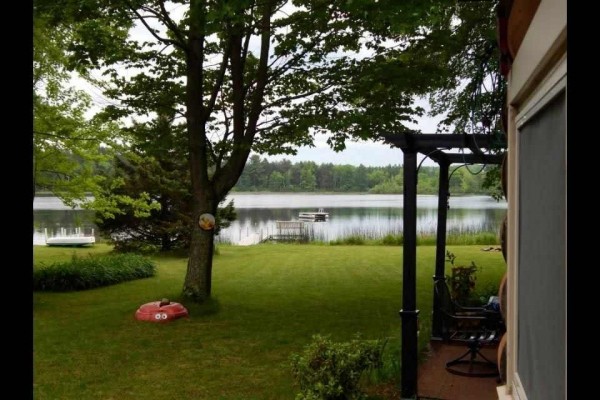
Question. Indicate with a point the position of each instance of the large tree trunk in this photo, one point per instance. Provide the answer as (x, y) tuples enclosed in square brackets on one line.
[(208, 192), (197, 285), (197, 282)]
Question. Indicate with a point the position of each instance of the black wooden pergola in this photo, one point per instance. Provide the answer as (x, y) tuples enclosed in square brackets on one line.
[(437, 147)]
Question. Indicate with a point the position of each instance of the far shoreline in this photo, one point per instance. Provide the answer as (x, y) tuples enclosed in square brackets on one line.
[(50, 194)]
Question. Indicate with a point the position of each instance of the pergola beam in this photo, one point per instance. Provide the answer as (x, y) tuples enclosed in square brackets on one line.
[(495, 159), (440, 157), (422, 141)]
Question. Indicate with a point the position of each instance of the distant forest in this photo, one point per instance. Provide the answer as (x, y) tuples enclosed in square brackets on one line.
[(307, 176), (261, 175)]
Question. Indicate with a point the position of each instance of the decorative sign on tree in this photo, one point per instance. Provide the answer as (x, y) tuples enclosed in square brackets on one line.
[(207, 222)]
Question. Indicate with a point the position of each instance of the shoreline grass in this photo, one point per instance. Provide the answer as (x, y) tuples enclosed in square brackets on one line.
[(268, 301), (423, 239)]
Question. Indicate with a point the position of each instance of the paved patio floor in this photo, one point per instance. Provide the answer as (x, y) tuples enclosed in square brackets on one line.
[(436, 383)]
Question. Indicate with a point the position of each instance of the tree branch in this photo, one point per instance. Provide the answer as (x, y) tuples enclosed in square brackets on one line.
[(63, 137), (223, 151), (292, 62), (59, 174), (218, 83), (160, 39), (243, 138), (282, 100), (237, 81), (211, 151), (247, 38), (172, 25), (271, 126), (277, 9), (261, 74)]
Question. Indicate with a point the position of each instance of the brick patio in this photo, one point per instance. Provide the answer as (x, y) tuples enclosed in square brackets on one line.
[(435, 383)]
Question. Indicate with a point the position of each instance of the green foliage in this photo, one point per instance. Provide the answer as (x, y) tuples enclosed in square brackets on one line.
[(349, 240), (69, 147), (261, 174), (463, 40), (225, 216), (492, 183), (301, 79), (83, 273), (161, 185), (461, 280), (461, 45), (394, 184), (328, 370)]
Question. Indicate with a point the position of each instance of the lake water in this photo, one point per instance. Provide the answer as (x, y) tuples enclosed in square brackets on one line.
[(370, 215)]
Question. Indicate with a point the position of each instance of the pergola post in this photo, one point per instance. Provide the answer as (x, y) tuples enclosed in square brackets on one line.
[(440, 247), (409, 313), (433, 146)]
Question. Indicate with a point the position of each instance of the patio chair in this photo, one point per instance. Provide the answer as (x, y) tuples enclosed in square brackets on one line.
[(473, 326)]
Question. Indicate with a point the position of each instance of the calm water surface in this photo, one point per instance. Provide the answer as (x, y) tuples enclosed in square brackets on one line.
[(371, 215)]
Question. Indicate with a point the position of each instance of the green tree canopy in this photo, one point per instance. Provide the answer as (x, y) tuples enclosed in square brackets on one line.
[(66, 144), (261, 75)]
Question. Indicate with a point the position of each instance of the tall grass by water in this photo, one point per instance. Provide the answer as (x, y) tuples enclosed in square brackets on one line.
[(362, 236), (423, 239), (268, 301)]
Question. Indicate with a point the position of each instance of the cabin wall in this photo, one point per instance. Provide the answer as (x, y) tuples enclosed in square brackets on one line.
[(537, 267)]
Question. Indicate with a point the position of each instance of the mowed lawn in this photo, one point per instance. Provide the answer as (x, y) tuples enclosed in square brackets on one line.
[(268, 301)]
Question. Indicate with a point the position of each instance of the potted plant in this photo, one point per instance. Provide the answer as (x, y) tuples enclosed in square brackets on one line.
[(461, 281)]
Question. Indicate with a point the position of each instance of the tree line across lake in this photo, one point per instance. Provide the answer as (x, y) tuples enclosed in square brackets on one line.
[(260, 174)]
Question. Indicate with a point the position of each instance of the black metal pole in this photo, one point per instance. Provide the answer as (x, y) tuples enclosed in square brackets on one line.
[(408, 313), (440, 247)]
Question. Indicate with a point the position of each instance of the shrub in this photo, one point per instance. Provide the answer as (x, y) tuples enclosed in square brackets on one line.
[(90, 272), (331, 371), (133, 246)]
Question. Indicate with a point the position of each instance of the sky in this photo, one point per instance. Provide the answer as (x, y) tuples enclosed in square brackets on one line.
[(369, 154)]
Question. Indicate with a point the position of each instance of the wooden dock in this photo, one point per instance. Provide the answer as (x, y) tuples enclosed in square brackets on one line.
[(290, 231), (316, 216)]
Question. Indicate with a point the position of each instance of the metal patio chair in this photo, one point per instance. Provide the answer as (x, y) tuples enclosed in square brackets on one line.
[(474, 327)]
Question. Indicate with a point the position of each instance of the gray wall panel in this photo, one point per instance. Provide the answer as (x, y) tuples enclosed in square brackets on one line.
[(541, 359)]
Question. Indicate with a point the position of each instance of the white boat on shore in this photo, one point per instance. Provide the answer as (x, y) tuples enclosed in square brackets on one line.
[(78, 238), (70, 241)]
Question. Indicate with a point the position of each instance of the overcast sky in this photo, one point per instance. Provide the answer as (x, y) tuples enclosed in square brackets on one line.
[(369, 154)]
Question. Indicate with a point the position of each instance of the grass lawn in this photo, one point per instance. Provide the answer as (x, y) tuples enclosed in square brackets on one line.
[(268, 300)]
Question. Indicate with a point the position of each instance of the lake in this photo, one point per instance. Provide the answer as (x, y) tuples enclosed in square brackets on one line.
[(370, 215)]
